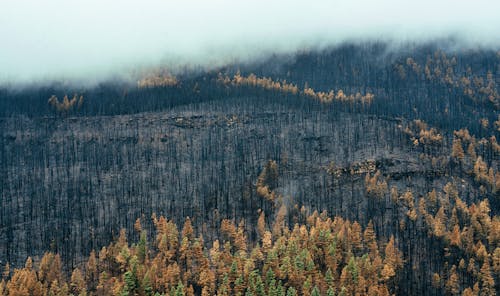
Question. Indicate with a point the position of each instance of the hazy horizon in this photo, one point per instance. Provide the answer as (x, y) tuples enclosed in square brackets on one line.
[(89, 41)]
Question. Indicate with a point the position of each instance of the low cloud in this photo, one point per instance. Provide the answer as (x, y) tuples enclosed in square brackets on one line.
[(89, 41)]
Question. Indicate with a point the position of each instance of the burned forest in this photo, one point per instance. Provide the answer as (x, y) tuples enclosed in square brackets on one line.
[(359, 169)]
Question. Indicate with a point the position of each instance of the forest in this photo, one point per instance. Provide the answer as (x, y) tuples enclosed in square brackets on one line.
[(319, 256), (354, 170)]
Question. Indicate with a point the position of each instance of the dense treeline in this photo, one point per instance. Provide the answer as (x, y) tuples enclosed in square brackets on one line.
[(317, 256)]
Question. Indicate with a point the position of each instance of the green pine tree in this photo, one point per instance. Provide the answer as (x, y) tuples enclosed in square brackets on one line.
[(291, 292)]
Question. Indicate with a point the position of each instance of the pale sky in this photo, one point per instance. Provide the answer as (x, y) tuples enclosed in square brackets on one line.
[(93, 40)]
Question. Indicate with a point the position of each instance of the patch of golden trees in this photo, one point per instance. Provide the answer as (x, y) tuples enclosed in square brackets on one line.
[(473, 163), (321, 256), (421, 135), (66, 105), (267, 177), (290, 88), (470, 234), (376, 185), (161, 79)]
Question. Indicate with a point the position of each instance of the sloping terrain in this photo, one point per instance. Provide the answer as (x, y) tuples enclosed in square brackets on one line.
[(223, 144)]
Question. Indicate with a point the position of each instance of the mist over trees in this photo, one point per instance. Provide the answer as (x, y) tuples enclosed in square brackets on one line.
[(399, 148)]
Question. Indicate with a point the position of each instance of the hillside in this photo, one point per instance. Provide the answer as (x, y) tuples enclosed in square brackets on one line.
[(402, 141)]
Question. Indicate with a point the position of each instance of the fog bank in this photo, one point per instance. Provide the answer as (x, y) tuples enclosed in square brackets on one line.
[(91, 40)]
